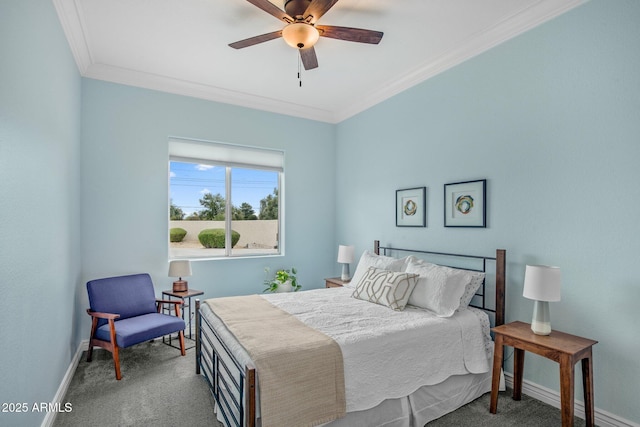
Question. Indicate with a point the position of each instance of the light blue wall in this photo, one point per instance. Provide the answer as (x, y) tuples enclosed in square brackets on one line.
[(39, 193), (552, 120), (125, 188)]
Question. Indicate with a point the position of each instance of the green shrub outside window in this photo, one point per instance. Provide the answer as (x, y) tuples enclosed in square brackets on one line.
[(215, 238)]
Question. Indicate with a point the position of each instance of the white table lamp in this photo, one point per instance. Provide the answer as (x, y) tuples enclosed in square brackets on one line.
[(180, 269), (541, 284), (345, 257)]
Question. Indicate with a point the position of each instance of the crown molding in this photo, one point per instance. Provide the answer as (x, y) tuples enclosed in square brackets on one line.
[(70, 15), (197, 90), (509, 28)]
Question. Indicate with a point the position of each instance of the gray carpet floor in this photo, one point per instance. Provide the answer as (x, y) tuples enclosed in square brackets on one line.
[(160, 388)]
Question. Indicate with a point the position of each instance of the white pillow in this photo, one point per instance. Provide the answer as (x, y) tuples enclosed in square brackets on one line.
[(472, 287), (439, 289), (469, 291), (384, 287), (370, 259)]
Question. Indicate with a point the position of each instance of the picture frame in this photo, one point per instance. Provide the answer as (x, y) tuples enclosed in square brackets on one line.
[(411, 207), (465, 204)]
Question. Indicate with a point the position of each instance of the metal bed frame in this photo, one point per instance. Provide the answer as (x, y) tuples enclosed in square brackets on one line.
[(233, 386), (498, 309), (222, 376)]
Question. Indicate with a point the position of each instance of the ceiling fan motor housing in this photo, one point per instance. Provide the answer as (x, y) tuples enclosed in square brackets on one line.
[(296, 8)]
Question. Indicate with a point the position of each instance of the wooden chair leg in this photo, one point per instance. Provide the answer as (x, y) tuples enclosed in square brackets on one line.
[(90, 351), (94, 326), (114, 349), (182, 350), (116, 363)]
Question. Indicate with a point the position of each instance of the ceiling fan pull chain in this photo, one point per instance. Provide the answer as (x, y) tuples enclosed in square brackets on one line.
[(299, 71)]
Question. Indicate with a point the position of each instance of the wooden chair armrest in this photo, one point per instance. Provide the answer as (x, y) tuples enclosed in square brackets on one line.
[(102, 315), (176, 305), (162, 301)]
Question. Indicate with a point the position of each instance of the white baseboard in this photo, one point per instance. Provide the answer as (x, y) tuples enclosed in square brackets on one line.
[(552, 397), (64, 385)]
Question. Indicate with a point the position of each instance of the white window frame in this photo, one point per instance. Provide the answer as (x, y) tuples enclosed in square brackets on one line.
[(230, 156)]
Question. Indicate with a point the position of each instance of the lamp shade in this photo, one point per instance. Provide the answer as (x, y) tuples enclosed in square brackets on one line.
[(300, 35), (542, 283), (345, 254), (180, 268)]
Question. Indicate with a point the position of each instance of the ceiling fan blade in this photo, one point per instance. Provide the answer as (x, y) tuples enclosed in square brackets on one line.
[(309, 58), (317, 8), (272, 9), (350, 34), (255, 40)]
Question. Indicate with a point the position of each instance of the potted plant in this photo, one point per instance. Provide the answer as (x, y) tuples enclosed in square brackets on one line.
[(283, 281)]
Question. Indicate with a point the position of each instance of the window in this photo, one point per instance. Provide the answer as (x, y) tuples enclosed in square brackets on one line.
[(224, 200)]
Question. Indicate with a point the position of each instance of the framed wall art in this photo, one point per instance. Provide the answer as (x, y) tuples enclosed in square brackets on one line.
[(411, 204), (465, 204)]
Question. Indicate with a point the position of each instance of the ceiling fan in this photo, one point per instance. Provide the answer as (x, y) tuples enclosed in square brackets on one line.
[(301, 31)]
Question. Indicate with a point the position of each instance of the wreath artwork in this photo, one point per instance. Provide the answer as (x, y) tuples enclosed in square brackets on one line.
[(464, 204), (410, 208)]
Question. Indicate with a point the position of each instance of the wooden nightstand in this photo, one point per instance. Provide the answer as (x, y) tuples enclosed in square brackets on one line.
[(335, 282), (563, 348)]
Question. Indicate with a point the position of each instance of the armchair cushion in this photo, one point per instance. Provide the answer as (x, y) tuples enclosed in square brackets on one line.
[(134, 330), (127, 296)]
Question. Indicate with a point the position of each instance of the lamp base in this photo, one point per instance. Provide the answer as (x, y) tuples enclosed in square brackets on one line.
[(180, 286), (541, 321), (345, 273)]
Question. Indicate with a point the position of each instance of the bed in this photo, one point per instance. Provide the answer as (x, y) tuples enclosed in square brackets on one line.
[(399, 366)]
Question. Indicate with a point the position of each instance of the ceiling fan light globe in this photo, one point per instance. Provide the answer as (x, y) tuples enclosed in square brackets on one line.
[(300, 35)]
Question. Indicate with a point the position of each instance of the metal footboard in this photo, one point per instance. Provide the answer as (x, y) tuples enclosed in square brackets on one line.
[(232, 385)]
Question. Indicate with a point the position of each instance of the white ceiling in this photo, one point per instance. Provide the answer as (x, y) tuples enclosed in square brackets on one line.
[(180, 46)]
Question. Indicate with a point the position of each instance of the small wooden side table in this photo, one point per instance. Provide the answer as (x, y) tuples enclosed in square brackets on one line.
[(335, 282), (563, 348)]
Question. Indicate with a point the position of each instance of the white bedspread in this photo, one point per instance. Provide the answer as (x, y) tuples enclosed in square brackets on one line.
[(374, 341)]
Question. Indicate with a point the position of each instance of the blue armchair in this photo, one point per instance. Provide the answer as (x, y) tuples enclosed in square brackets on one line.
[(125, 312)]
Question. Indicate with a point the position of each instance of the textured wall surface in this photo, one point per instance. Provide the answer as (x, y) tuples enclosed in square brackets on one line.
[(552, 120), (40, 256)]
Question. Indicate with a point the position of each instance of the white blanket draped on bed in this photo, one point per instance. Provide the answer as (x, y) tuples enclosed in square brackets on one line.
[(374, 341), (358, 327)]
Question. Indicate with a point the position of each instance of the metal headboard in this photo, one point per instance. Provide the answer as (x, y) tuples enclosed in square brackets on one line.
[(498, 309)]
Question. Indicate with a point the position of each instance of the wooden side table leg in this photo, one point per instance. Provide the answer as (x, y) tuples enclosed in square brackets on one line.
[(566, 389), (587, 385), (518, 368), (498, 354)]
